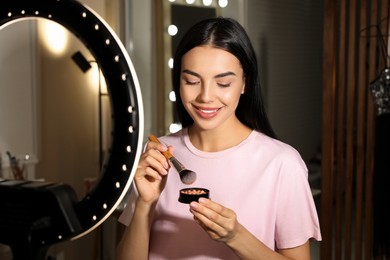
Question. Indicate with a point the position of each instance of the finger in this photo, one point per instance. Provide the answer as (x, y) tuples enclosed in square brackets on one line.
[(214, 230), (213, 211), (213, 234), (161, 147), (146, 172), (151, 174), (170, 149), (157, 146), (214, 216), (157, 156), (206, 216), (216, 207), (156, 162)]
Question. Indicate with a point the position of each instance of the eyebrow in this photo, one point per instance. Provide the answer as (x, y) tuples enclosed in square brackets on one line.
[(221, 75)]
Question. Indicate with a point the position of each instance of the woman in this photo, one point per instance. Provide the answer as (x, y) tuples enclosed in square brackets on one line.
[(260, 205)]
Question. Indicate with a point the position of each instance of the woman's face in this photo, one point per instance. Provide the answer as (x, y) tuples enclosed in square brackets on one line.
[(211, 84)]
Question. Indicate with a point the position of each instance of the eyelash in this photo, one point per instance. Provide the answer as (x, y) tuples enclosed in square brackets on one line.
[(224, 85), (197, 82), (191, 83)]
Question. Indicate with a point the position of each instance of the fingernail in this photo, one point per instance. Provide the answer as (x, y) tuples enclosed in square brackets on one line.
[(193, 205), (202, 200)]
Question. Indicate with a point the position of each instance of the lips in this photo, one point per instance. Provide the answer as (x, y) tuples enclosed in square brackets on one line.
[(206, 112)]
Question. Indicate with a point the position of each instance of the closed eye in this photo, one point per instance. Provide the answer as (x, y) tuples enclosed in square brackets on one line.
[(191, 83), (223, 85)]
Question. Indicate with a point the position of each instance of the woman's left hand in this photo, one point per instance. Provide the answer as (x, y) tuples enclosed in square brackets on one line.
[(218, 221)]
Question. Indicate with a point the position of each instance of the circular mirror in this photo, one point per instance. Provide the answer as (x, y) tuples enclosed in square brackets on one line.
[(57, 109), (122, 103)]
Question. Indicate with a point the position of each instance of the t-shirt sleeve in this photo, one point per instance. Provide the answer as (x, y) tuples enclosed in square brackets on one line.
[(127, 214), (128, 210), (297, 219)]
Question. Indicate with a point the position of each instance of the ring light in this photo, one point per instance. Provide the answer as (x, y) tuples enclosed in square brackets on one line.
[(126, 106)]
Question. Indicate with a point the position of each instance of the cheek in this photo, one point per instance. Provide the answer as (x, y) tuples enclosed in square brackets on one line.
[(185, 95), (188, 94), (231, 96)]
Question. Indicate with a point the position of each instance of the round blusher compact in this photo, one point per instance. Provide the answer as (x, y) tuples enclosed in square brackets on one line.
[(188, 195)]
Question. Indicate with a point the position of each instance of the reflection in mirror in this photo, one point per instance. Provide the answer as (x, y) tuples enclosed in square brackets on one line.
[(174, 18), (54, 118)]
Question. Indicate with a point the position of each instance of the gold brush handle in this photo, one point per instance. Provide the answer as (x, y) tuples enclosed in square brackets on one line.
[(166, 153)]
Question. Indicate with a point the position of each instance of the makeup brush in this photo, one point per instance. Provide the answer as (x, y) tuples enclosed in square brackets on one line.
[(186, 176)]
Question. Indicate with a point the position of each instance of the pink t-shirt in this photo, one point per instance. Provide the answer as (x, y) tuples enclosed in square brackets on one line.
[(263, 180)]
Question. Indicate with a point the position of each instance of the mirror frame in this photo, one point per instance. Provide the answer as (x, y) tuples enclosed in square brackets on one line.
[(126, 103)]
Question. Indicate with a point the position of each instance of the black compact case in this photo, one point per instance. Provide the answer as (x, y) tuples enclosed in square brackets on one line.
[(188, 195)]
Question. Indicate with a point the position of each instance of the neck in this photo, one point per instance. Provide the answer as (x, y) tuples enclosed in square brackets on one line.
[(218, 139)]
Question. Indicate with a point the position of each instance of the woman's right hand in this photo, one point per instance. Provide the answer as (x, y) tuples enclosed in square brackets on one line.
[(150, 176)]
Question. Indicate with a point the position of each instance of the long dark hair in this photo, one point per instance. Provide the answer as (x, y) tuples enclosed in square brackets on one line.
[(229, 35)]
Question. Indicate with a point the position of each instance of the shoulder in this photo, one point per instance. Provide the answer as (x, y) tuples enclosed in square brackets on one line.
[(272, 145), (277, 151)]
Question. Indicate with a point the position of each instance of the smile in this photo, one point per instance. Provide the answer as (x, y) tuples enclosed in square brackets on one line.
[(207, 113)]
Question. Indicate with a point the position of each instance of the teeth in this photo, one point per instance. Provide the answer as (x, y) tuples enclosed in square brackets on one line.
[(209, 111)]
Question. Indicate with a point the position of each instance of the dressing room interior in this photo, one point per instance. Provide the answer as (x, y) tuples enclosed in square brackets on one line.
[(84, 84)]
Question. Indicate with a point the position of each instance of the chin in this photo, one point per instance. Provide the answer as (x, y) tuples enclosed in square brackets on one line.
[(206, 126)]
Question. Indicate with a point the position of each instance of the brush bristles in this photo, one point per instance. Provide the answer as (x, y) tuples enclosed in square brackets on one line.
[(188, 177)]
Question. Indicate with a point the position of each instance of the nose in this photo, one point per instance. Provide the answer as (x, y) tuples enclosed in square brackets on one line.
[(206, 92)]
